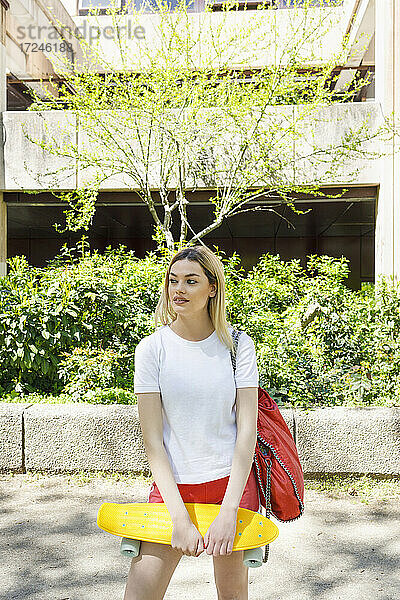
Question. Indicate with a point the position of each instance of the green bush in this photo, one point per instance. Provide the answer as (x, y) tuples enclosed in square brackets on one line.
[(92, 396), (69, 330), (95, 301), (85, 369)]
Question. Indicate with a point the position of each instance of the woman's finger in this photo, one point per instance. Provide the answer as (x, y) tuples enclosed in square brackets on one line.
[(199, 548), (217, 549), (224, 548)]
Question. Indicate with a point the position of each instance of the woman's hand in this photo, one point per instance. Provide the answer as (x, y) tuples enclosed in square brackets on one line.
[(221, 533), (187, 538)]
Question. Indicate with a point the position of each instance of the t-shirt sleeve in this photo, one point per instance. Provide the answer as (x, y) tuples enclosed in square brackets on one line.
[(246, 374), (146, 367)]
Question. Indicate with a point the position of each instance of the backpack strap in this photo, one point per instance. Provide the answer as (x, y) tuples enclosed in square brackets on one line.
[(235, 337), (267, 493)]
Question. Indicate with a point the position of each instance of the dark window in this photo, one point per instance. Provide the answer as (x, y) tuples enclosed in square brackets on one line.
[(88, 4), (199, 5), (144, 5), (152, 4), (293, 3)]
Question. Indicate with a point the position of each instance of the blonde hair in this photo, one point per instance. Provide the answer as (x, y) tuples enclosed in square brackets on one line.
[(214, 270)]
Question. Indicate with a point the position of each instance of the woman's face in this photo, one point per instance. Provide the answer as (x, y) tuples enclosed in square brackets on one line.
[(187, 280)]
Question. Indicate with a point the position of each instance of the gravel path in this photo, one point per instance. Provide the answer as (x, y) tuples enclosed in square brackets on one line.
[(52, 549)]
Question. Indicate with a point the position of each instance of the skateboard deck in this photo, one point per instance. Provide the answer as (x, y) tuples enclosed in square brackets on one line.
[(151, 522)]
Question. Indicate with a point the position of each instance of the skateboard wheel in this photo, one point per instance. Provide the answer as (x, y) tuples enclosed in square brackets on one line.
[(253, 558), (130, 548)]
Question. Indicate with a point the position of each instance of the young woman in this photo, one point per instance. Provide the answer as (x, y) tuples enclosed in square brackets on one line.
[(199, 425)]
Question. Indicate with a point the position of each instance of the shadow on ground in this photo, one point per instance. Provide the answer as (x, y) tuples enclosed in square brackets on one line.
[(52, 549)]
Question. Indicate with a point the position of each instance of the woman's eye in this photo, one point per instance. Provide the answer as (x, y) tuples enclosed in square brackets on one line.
[(174, 280)]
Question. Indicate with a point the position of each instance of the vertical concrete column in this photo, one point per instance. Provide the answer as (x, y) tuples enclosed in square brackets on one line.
[(387, 92), (3, 83), (3, 106)]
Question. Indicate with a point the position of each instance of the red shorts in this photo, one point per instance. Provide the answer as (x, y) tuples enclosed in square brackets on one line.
[(212, 492)]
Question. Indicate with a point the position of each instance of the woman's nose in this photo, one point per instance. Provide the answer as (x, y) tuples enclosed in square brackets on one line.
[(179, 288)]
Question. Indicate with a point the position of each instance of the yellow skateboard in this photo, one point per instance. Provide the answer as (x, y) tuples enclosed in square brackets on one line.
[(151, 522)]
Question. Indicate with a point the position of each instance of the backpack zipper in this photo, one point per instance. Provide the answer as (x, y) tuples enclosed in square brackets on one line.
[(280, 461)]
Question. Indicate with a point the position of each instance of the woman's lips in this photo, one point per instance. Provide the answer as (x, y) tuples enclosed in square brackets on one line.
[(180, 301)]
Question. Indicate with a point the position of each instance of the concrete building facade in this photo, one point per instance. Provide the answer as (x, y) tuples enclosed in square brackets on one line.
[(363, 225)]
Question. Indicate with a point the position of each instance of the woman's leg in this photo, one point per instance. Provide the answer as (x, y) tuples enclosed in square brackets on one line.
[(151, 571), (231, 576)]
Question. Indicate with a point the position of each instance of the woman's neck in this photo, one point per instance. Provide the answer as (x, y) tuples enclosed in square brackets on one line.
[(193, 331)]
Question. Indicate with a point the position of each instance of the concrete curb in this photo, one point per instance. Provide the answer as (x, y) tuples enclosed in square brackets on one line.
[(65, 438)]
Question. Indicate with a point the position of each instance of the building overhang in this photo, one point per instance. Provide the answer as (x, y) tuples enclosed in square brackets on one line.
[(27, 166)]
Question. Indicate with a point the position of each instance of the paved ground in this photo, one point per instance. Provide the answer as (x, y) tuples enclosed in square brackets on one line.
[(52, 549)]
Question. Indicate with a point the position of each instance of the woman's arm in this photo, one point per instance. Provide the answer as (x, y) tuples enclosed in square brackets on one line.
[(246, 421), (150, 415), (221, 533)]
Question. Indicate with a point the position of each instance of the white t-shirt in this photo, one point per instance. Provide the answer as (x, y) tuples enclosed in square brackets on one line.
[(198, 394)]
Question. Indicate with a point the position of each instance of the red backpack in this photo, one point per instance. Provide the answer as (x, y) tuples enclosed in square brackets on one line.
[(276, 463)]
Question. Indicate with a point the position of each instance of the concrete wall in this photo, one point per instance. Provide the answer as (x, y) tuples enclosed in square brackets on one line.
[(39, 22), (273, 34), (66, 438), (27, 166)]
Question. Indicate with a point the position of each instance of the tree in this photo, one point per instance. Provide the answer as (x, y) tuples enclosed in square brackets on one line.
[(214, 101)]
